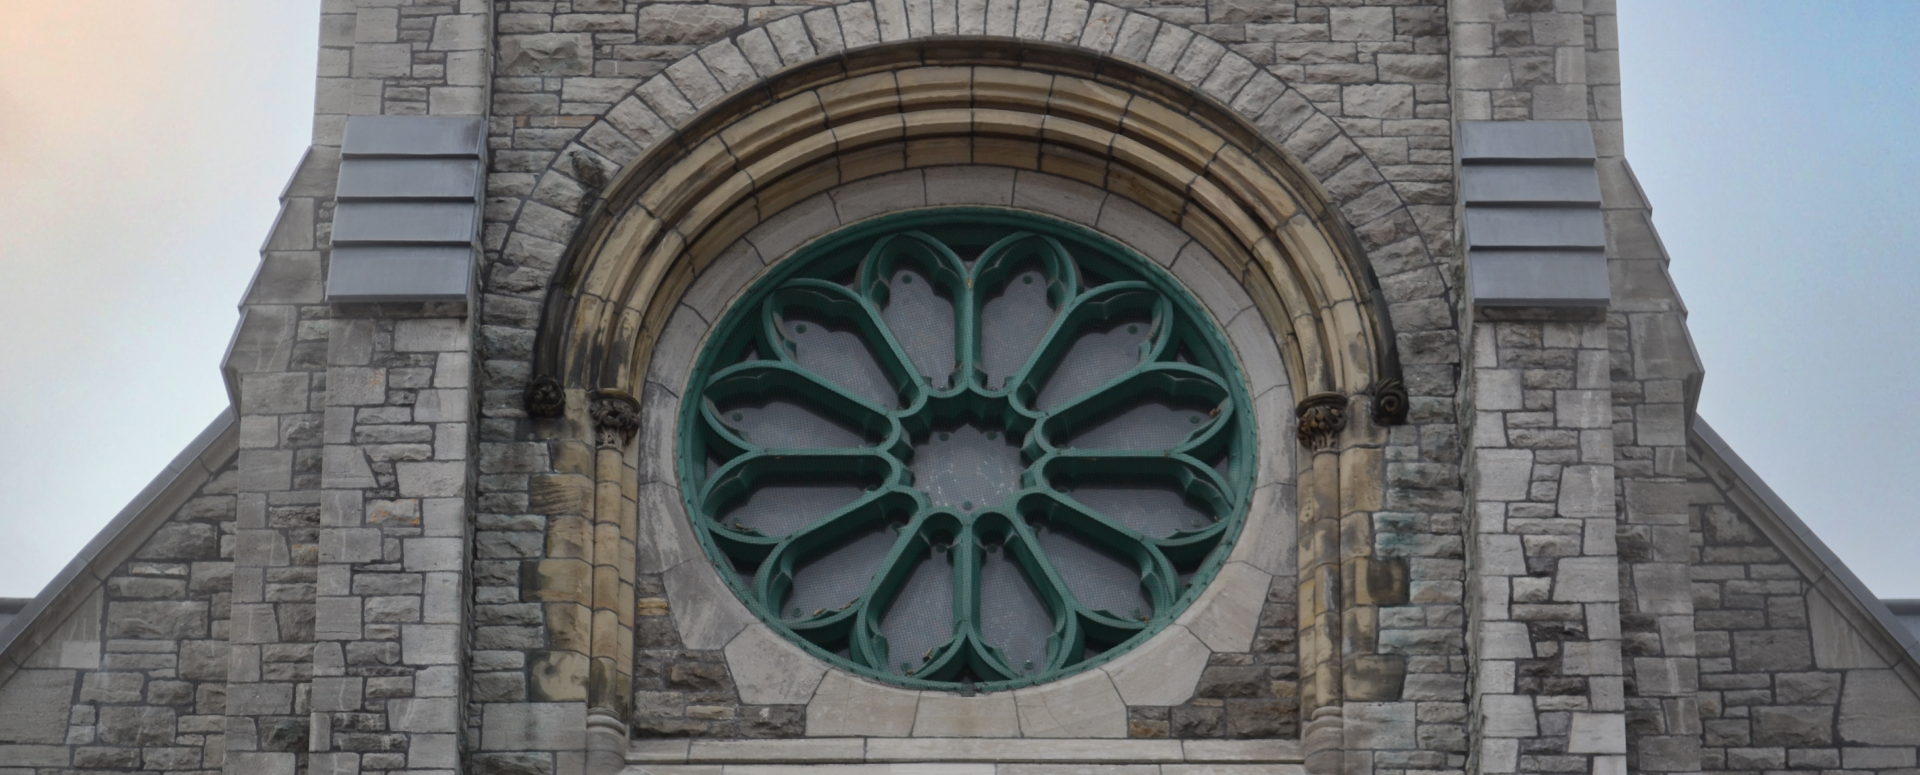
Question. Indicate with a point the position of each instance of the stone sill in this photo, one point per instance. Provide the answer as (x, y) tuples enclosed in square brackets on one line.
[(855, 750)]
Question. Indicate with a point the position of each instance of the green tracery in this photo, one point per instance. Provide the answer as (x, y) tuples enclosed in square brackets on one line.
[(966, 447)]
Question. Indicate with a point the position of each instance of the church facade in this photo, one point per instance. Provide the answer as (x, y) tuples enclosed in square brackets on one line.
[(961, 386)]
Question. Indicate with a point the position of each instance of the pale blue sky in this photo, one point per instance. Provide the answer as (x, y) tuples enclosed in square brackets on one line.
[(1777, 141)]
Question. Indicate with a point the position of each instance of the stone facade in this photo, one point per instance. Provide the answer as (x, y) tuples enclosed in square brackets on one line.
[(441, 538)]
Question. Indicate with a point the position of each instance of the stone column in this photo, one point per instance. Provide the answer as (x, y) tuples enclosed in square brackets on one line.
[(1322, 419), (616, 418)]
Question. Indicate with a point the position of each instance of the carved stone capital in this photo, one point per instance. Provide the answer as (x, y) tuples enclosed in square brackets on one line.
[(545, 398), (1321, 418), (1390, 402), (616, 418)]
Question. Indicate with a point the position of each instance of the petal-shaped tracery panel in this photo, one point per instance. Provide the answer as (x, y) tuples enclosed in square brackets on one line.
[(967, 447)]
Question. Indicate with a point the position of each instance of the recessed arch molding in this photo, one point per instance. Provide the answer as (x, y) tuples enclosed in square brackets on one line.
[(653, 226)]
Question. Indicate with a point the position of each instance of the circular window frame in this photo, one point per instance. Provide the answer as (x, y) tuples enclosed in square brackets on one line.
[(1244, 453)]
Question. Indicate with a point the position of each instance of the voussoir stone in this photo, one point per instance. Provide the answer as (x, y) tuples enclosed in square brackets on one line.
[(687, 23)]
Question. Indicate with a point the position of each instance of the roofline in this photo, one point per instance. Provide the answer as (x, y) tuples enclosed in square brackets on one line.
[(204, 457), (1823, 568)]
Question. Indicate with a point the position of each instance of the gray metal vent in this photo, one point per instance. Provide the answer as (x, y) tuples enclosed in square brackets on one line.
[(407, 220), (1535, 234)]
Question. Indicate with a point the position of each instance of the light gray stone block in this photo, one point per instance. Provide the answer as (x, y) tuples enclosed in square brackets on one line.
[(1081, 706), (1505, 640), (1508, 715), (438, 714), (768, 670), (1836, 644), (1877, 708), (1587, 579), (950, 715), (34, 704), (707, 613), (1502, 474), (1225, 615), (533, 726), (1380, 726), (845, 705), (1163, 671)]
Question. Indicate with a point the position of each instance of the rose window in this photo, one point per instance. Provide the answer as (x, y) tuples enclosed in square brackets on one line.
[(966, 448)]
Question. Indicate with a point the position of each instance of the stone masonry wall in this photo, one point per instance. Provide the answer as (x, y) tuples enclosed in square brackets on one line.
[(1357, 91), (138, 678), (1784, 681), (1552, 413), (1546, 632)]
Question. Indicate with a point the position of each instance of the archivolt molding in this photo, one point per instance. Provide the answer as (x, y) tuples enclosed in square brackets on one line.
[(1030, 106), (1107, 123)]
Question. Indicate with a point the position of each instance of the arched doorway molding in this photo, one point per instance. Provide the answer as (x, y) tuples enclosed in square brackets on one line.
[(1101, 121)]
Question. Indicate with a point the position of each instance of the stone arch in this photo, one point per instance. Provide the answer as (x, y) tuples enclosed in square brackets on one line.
[(1105, 122), (627, 125)]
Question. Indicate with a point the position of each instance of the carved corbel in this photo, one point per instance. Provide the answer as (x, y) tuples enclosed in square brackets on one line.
[(1390, 402), (545, 398), (616, 418), (1321, 418)]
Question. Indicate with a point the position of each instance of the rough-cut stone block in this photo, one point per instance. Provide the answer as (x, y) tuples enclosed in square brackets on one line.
[(1085, 705), (157, 620), (844, 705), (1836, 644), (1793, 725), (1597, 733), (546, 54), (767, 670), (1162, 671), (1508, 715), (706, 613), (34, 705), (1587, 580), (1502, 474), (533, 726), (1878, 708), (1380, 726), (950, 715), (1770, 650), (1225, 616)]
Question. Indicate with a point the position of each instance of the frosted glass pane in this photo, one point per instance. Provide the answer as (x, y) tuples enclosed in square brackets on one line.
[(967, 468), (921, 319), (1153, 424), (1101, 581), (1098, 354), (779, 509), (1012, 617), (787, 425), (921, 617), (839, 355), (834, 579), (1156, 511), (1012, 323)]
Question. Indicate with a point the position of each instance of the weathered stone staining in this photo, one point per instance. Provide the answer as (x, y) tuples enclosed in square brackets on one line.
[(437, 537)]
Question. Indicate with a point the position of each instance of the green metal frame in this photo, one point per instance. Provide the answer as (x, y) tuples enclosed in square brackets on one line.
[(843, 278)]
